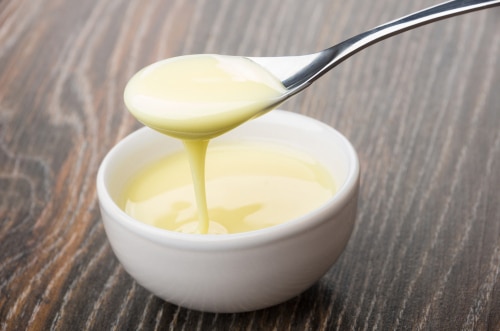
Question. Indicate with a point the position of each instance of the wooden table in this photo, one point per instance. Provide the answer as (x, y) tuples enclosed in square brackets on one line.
[(421, 108)]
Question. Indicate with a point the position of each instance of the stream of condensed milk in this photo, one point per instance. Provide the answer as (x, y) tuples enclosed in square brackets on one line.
[(196, 98)]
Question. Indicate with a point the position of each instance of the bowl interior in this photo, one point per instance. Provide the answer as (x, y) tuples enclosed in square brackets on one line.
[(318, 140)]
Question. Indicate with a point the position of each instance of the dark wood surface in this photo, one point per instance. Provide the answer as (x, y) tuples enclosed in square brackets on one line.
[(421, 108)]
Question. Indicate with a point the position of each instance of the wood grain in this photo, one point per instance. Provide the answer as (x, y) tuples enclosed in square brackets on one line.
[(422, 109)]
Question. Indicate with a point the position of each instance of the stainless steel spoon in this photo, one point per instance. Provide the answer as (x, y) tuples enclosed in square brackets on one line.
[(298, 72)]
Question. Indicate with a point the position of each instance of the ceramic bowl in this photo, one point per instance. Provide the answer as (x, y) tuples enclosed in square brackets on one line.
[(233, 272)]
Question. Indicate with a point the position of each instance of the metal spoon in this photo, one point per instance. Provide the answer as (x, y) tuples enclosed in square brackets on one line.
[(298, 72)]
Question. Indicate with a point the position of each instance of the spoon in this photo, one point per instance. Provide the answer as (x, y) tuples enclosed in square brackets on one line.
[(202, 96), (298, 72)]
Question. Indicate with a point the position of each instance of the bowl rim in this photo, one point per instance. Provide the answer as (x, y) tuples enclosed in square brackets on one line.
[(210, 242)]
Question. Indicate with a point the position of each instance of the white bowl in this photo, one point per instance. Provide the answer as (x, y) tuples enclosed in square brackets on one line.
[(233, 272)]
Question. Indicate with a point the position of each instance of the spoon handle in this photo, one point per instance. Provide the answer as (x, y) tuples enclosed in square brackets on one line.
[(331, 57), (419, 18)]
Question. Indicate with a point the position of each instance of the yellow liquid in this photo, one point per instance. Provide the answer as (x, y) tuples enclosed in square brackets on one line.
[(195, 98), (249, 186), (201, 96)]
